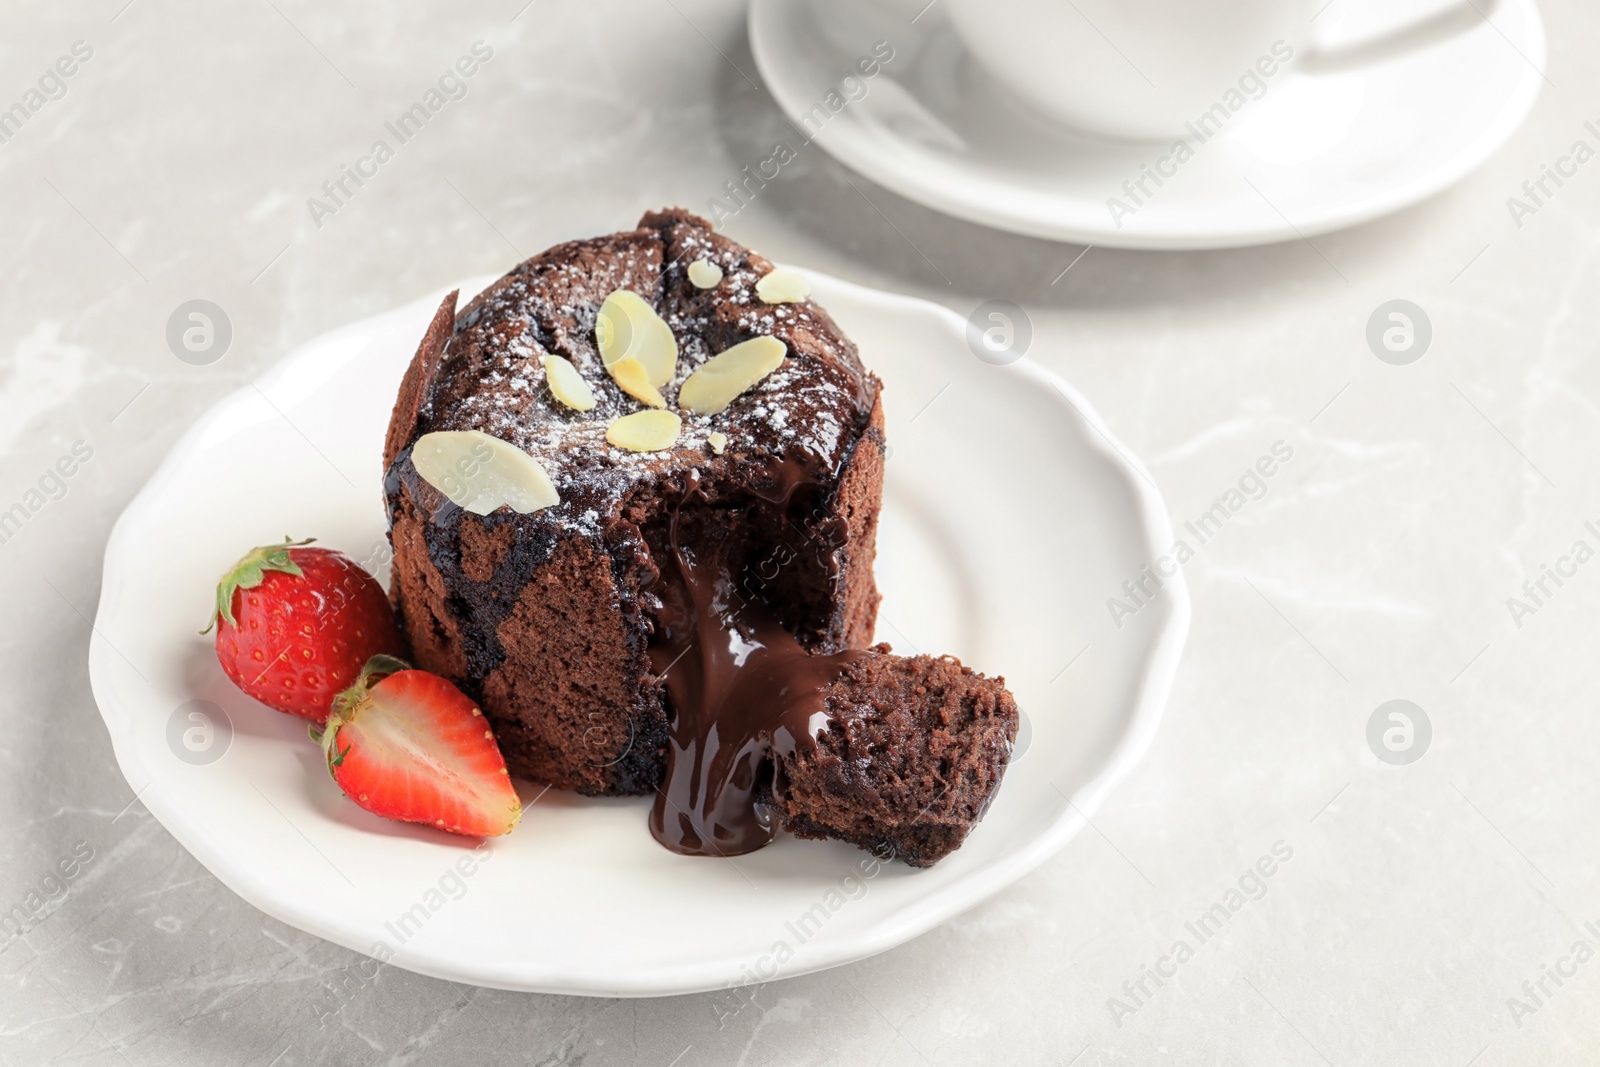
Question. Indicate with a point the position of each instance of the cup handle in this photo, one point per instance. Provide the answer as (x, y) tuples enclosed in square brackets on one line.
[(1430, 30)]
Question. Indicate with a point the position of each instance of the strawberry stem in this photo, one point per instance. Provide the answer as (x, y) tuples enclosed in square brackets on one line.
[(249, 572), (347, 703)]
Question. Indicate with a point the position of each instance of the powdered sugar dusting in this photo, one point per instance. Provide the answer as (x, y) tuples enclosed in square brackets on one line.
[(808, 410)]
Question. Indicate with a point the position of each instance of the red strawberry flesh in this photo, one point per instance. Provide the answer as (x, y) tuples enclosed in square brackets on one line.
[(413, 747)]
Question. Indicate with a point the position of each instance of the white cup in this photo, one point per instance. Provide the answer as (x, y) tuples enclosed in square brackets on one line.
[(1148, 69)]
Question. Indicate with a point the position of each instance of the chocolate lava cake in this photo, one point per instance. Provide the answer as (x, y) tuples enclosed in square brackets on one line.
[(690, 621)]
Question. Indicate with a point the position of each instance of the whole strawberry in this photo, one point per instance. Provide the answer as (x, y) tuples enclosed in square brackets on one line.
[(409, 745), (295, 625)]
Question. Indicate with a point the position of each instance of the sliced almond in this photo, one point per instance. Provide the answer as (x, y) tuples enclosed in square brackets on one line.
[(628, 326), (781, 286), (725, 375), (566, 384), (480, 473), (718, 441), (645, 431), (630, 374), (705, 274)]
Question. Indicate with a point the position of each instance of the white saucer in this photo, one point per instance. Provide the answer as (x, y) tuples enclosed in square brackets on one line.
[(1317, 153), (1010, 517)]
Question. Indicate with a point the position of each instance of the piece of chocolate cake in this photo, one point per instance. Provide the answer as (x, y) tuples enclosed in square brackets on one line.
[(910, 758), (677, 620)]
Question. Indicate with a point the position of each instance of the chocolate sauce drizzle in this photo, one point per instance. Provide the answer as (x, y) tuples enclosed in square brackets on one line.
[(742, 689)]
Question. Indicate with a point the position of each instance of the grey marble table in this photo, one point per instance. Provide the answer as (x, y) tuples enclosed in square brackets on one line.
[(1428, 913)]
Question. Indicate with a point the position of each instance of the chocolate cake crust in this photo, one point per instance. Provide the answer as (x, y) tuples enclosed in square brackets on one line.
[(546, 619), (690, 622)]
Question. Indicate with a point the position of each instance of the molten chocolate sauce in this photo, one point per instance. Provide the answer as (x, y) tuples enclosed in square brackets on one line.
[(741, 687)]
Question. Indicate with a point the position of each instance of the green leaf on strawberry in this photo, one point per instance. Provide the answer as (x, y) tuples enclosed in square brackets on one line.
[(249, 573)]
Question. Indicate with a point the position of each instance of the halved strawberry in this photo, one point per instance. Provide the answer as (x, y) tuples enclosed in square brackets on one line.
[(408, 745)]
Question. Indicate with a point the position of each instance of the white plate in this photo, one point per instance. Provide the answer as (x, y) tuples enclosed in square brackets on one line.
[(1010, 517), (1317, 153)]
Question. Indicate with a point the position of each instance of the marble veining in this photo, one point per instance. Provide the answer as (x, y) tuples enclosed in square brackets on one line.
[(1427, 903)]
